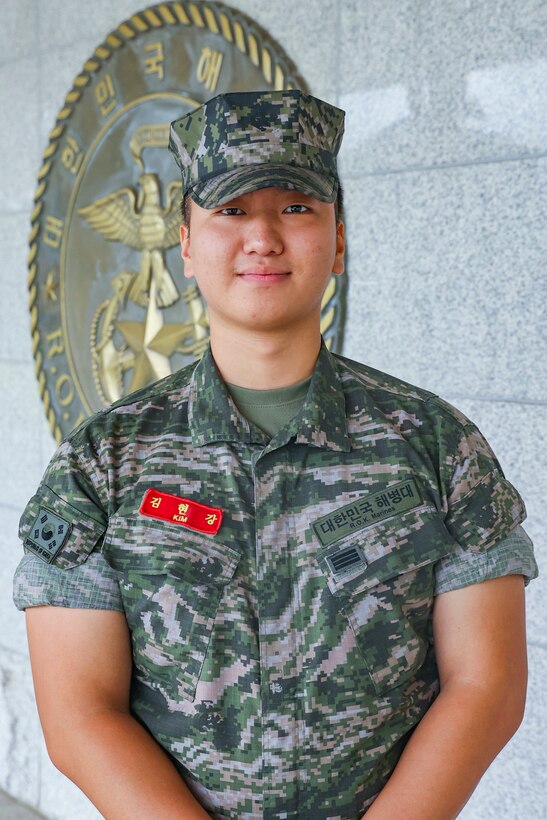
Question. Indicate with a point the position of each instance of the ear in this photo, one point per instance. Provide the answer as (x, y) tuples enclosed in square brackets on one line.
[(338, 265), (185, 251)]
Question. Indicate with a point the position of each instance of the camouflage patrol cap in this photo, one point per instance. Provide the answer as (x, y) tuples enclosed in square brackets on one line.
[(242, 141)]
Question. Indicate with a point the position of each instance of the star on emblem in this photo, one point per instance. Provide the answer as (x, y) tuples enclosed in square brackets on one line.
[(153, 343)]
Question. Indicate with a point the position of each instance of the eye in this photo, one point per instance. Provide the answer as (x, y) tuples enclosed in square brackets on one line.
[(231, 211), (296, 209)]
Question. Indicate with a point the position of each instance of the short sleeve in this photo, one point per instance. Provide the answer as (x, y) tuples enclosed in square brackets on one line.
[(513, 555), (64, 522), (62, 530), (481, 506), (90, 585)]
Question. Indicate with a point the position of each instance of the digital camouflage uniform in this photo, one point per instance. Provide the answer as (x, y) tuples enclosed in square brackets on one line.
[(283, 661)]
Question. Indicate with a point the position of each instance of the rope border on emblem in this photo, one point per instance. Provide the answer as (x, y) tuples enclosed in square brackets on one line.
[(219, 19)]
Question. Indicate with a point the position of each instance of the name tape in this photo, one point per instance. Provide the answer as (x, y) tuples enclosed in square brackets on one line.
[(181, 511)]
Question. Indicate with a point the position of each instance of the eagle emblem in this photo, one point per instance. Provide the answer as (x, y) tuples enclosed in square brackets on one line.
[(140, 222)]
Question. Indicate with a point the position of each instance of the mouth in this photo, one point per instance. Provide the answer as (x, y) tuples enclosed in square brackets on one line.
[(263, 277)]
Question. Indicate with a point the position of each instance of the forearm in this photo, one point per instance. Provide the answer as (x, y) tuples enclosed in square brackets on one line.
[(448, 753), (123, 771)]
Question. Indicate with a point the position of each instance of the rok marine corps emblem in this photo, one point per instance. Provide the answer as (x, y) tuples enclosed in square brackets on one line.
[(110, 309)]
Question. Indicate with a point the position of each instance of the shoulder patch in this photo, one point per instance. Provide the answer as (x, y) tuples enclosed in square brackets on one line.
[(47, 534)]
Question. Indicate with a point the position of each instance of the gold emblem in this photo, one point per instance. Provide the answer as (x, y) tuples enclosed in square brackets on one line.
[(110, 309)]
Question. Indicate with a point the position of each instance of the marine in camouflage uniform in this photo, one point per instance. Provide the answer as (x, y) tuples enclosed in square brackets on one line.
[(282, 631)]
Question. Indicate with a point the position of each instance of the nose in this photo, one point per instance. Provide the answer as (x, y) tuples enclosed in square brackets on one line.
[(262, 236)]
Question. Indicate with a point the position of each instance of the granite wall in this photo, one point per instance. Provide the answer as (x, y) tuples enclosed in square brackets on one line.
[(445, 171)]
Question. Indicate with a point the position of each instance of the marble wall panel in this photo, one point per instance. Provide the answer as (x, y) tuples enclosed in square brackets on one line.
[(19, 143), (15, 338), (19, 30), (14, 810), (21, 459), (440, 83), (19, 729), (447, 285)]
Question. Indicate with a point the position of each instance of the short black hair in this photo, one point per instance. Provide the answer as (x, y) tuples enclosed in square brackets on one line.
[(338, 207)]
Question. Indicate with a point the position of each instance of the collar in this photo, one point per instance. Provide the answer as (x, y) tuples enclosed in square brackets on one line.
[(321, 422), (212, 414)]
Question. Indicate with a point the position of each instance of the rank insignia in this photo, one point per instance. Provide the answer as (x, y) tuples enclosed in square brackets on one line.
[(47, 535), (181, 511)]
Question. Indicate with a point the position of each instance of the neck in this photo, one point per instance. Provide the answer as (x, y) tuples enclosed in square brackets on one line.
[(265, 361)]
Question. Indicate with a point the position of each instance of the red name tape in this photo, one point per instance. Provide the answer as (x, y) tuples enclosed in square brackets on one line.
[(182, 511)]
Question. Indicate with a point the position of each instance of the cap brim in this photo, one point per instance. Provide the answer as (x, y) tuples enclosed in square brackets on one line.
[(229, 185)]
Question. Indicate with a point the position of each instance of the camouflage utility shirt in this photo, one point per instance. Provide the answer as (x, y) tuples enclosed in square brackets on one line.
[(282, 633)]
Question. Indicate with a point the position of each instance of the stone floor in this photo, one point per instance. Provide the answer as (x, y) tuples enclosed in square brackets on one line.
[(12, 810)]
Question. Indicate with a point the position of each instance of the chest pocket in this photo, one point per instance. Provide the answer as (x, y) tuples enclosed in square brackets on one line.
[(383, 582), (172, 582)]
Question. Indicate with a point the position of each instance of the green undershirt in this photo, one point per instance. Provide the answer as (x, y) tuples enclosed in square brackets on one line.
[(270, 410)]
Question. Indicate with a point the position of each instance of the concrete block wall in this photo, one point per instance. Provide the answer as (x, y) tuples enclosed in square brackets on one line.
[(445, 173)]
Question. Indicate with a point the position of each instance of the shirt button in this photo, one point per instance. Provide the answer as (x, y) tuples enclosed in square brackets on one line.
[(276, 687)]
